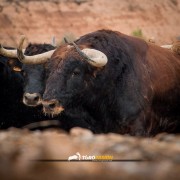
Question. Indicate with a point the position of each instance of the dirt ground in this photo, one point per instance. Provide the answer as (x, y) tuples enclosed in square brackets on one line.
[(44, 155), (21, 151), (40, 20)]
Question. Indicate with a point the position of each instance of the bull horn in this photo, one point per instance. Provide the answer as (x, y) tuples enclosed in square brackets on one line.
[(175, 47), (11, 53), (92, 56), (53, 43), (36, 59), (167, 46), (8, 53)]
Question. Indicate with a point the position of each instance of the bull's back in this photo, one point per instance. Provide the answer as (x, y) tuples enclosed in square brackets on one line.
[(164, 74)]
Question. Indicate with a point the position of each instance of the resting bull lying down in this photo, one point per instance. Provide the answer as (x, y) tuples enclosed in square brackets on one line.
[(114, 83), (13, 113)]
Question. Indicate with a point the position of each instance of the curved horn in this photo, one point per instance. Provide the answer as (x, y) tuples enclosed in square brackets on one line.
[(175, 47), (167, 46), (9, 53), (36, 59), (92, 56), (12, 53), (53, 43)]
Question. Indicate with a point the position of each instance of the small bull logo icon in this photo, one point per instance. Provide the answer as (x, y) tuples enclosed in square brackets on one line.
[(77, 156)]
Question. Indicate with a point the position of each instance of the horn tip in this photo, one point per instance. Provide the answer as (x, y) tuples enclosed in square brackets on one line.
[(23, 36), (20, 54)]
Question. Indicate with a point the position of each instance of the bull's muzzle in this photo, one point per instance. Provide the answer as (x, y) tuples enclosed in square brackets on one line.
[(52, 107), (32, 99)]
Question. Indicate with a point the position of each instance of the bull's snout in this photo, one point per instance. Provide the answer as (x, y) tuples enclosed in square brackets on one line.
[(52, 107), (33, 99), (50, 104)]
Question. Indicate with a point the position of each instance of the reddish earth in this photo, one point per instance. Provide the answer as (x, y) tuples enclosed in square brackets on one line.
[(41, 19)]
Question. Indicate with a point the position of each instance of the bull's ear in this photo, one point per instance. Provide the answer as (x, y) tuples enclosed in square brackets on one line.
[(17, 69)]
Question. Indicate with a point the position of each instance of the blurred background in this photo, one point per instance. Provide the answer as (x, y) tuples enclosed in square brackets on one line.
[(40, 20)]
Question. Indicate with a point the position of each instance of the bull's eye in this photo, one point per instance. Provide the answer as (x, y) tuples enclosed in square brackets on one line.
[(24, 73), (76, 72), (17, 69)]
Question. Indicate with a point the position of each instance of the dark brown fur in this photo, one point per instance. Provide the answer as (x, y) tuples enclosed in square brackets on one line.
[(137, 92)]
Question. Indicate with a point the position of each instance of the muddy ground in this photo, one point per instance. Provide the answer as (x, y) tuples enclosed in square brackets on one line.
[(135, 158)]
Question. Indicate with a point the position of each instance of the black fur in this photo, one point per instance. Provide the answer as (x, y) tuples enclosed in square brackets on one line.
[(13, 113), (34, 75)]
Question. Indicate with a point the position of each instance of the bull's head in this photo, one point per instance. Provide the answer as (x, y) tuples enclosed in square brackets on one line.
[(34, 74), (34, 80), (72, 71), (33, 69)]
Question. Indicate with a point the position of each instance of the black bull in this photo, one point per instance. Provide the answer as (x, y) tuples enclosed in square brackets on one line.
[(15, 78), (136, 92), (12, 111), (34, 75)]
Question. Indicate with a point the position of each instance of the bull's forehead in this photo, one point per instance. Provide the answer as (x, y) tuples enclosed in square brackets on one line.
[(33, 67), (66, 51), (34, 49)]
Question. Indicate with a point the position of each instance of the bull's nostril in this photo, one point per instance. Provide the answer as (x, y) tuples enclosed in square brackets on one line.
[(32, 99), (36, 98), (25, 97), (52, 106)]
